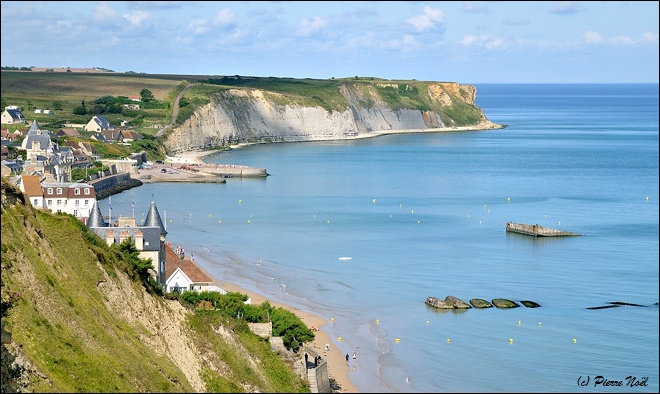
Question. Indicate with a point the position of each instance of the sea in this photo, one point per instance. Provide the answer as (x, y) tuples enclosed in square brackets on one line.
[(361, 232)]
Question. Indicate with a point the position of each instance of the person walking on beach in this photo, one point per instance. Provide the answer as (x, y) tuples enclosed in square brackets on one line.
[(346, 358), (354, 357)]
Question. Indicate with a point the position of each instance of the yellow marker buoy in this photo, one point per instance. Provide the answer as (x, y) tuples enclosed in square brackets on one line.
[(397, 340), (510, 341), (249, 221), (240, 201), (518, 322), (377, 321), (448, 340), (332, 319), (427, 322), (508, 198), (209, 215), (412, 211), (219, 221), (647, 198), (373, 201), (574, 340), (390, 215), (539, 324), (339, 339), (417, 221)]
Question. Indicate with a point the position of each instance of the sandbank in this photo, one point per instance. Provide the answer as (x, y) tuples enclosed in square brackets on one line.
[(338, 368)]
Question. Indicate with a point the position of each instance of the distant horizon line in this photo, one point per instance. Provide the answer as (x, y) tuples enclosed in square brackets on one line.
[(102, 70)]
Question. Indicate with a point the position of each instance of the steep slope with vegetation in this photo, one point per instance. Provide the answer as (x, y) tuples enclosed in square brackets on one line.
[(220, 111), (274, 109), (81, 318)]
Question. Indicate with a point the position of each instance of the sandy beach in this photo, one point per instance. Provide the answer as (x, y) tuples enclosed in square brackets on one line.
[(337, 366)]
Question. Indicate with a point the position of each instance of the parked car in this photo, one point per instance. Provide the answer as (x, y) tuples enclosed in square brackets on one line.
[(163, 170)]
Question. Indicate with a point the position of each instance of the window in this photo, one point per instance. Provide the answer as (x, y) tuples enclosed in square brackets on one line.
[(77, 192), (77, 204), (59, 190), (86, 203), (87, 191), (75, 212), (50, 202), (59, 202), (36, 202), (50, 190)]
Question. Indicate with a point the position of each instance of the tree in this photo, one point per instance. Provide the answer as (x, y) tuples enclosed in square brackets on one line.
[(146, 95), (81, 110)]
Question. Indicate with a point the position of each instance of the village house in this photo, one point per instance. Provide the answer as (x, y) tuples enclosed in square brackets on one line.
[(149, 239), (44, 156), (68, 132), (12, 114), (76, 199), (98, 124), (30, 185), (184, 275)]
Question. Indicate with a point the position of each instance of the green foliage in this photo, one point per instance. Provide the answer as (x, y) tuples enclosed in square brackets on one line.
[(146, 95), (286, 324)]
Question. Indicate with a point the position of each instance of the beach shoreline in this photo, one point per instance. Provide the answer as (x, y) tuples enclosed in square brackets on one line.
[(197, 156), (338, 368)]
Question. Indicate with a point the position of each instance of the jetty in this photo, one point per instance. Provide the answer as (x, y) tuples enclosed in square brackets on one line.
[(535, 230)]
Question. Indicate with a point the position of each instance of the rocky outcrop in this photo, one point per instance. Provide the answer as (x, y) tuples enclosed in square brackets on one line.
[(252, 115)]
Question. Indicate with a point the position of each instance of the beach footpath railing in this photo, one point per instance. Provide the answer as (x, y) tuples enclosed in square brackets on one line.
[(317, 375)]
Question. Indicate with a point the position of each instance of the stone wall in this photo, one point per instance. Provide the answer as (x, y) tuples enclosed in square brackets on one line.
[(113, 184)]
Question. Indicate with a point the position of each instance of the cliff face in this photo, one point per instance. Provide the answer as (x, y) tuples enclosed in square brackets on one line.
[(250, 115)]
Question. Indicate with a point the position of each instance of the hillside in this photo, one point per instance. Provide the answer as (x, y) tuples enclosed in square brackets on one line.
[(221, 111), (81, 321)]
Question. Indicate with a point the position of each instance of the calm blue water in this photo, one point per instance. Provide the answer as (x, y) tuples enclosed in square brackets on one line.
[(424, 215)]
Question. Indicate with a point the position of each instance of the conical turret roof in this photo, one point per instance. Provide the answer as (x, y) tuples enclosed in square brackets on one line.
[(153, 219), (95, 217)]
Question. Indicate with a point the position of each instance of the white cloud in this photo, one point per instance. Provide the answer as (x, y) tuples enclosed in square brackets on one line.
[(224, 17), (429, 20), (592, 37), (309, 26), (622, 40), (475, 7), (137, 17), (566, 7), (198, 26), (649, 37), (104, 14), (484, 41)]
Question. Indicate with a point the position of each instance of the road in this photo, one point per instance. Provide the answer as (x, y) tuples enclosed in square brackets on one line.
[(175, 109)]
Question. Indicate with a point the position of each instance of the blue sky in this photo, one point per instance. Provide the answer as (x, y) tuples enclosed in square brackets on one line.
[(465, 42)]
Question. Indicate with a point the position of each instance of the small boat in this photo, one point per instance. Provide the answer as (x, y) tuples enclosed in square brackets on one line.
[(345, 258), (536, 231)]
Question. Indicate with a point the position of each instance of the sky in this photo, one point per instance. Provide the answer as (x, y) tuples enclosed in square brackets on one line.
[(467, 42)]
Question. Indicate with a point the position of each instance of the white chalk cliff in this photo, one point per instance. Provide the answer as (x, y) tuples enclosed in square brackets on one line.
[(253, 115)]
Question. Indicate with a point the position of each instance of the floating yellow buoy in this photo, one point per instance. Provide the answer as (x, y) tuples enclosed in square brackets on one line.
[(510, 341), (209, 215), (508, 198), (412, 211), (332, 319), (427, 322), (240, 201), (448, 340), (339, 339), (377, 321), (249, 221), (574, 340), (518, 322), (373, 201), (558, 221), (190, 214), (484, 205), (397, 340), (647, 198), (219, 221), (390, 215), (539, 323), (417, 221)]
